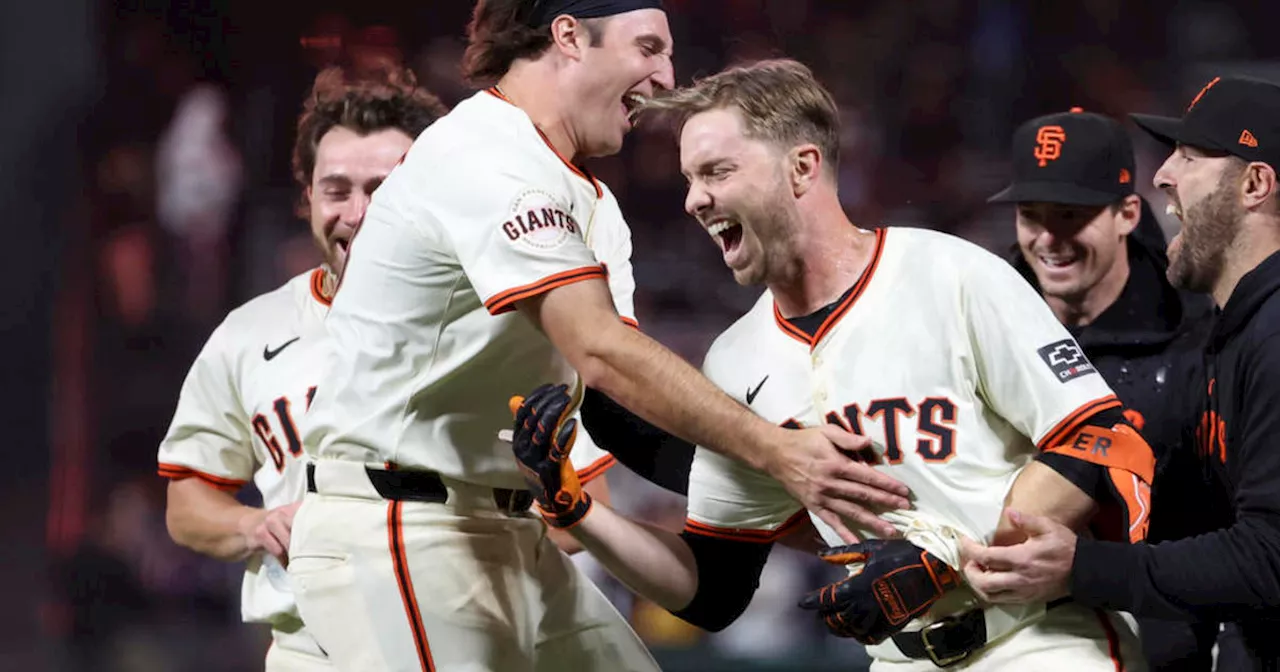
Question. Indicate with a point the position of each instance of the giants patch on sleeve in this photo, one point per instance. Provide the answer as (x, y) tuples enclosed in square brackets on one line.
[(1066, 360), (539, 221)]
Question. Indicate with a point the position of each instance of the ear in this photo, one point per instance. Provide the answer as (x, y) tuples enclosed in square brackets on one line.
[(806, 168), (569, 36), (1259, 184), (1129, 215)]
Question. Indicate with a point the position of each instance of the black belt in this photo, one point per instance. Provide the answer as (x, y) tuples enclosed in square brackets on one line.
[(946, 642), (426, 486), (952, 639)]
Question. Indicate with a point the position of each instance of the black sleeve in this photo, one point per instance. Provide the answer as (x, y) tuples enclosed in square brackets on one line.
[(656, 456), (728, 575), (1225, 575)]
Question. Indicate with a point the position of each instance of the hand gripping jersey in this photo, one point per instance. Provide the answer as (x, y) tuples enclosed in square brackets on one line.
[(238, 413), (941, 355), (425, 348)]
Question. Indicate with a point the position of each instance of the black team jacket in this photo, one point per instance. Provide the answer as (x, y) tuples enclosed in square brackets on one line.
[(1231, 573)]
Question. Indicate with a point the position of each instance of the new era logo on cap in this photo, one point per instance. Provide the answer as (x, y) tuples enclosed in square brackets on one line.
[(1235, 115)]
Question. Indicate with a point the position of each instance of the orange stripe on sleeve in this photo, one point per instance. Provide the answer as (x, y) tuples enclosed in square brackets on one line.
[(630, 322), (596, 469), (505, 301), (177, 472), (747, 535), (1072, 422)]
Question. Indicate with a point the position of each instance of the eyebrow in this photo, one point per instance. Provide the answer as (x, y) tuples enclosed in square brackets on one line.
[(335, 181)]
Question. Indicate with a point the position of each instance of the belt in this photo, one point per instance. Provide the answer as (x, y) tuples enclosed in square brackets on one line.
[(427, 486), (952, 639)]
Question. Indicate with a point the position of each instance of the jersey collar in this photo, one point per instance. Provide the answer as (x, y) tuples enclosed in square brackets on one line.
[(828, 324)]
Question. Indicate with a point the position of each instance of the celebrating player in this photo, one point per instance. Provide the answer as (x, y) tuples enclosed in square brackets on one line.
[(485, 266), (966, 384), (1222, 183), (1096, 252), (237, 416)]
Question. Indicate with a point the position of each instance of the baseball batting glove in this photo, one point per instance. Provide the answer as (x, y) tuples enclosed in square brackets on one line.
[(898, 582), (541, 441)]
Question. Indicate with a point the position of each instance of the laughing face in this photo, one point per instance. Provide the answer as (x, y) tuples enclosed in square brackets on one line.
[(1071, 248), (349, 166), (738, 192), (1203, 192), (629, 63)]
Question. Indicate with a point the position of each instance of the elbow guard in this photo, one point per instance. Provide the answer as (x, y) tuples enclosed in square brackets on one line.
[(1109, 460)]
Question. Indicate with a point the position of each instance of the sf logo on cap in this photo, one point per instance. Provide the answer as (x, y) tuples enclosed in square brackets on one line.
[(1049, 141)]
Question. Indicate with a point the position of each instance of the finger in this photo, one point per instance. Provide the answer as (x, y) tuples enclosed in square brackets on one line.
[(812, 600), (268, 542), (565, 439), (972, 551), (862, 518), (849, 488), (514, 404), (833, 520), (279, 529), (872, 478), (1033, 525)]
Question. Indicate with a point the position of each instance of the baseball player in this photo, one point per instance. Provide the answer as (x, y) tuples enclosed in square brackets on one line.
[(238, 412), (1221, 180), (970, 390), (483, 268)]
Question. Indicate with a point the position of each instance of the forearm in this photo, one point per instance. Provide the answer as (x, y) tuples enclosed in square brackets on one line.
[(653, 562), (1041, 491), (665, 390), (210, 521), (598, 488)]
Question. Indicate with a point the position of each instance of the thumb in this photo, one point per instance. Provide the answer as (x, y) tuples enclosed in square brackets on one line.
[(1033, 525), (514, 404)]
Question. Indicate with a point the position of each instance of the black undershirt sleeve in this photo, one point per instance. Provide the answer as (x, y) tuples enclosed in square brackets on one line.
[(728, 575), (656, 456)]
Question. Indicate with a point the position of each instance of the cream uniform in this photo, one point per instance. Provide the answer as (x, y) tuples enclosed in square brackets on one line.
[(956, 370), (425, 348), (237, 419)]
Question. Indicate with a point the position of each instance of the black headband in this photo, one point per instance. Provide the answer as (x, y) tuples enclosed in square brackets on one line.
[(545, 11)]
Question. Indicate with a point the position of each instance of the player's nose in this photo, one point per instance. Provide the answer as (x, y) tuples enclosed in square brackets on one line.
[(1164, 178), (355, 209), (697, 200), (665, 78)]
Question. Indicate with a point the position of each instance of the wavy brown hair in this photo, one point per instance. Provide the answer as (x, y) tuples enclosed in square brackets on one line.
[(498, 35), (390, 99), (779, 99)]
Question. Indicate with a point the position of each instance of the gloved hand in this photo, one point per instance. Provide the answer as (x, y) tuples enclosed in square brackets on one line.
[(542, 440), (898, 582)]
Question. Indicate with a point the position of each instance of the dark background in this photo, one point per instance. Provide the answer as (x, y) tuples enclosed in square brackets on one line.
[(144, 176)]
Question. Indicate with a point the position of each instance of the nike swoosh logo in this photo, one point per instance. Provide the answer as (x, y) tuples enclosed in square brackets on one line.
[(269, 354), (751, 394)]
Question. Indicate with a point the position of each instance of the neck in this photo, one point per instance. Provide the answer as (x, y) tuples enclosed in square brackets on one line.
[(1083, 310), (526, 85), (832, 253), (1252, 247)]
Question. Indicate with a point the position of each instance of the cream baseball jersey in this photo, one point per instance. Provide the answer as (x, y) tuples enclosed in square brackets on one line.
[(425, 347), (238, 413), (941, 354)]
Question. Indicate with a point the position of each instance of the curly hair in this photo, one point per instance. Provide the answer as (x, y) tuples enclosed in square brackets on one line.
[(498, 35), (779, 99), (388, 100)]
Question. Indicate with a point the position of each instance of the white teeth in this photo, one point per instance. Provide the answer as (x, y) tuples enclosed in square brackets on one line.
[(634, 99), (720, 227), (1173, 209), (1057, 262)]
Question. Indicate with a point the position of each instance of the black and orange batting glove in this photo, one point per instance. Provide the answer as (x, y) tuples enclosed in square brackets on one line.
[(542, 440), (898, 582)]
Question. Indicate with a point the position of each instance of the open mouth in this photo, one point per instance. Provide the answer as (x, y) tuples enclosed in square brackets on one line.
[(728, 233), (342, 244), (1058, 261), (632, 103), (1174, 209)]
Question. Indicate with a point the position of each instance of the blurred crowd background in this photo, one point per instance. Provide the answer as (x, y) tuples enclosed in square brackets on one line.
[(144, 168)]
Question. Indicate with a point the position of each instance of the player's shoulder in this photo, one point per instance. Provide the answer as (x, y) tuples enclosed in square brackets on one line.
[(482, 131), (744, 335), (942, 253), (270, 308)]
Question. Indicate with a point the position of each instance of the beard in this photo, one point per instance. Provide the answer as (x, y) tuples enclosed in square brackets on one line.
[(1208, 229), (775, 227)]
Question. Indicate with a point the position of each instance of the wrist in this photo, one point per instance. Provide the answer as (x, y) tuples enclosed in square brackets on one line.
[(250, 518)]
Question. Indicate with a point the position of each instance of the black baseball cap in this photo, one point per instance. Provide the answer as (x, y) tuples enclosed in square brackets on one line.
[(1236, 115), (1073, 158)]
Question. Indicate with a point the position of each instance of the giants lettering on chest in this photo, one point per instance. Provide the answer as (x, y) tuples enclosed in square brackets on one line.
[(926, 428), (282, 417), (535, 220)]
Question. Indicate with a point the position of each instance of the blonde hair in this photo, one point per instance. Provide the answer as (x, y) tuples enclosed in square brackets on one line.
[(779, 99)]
